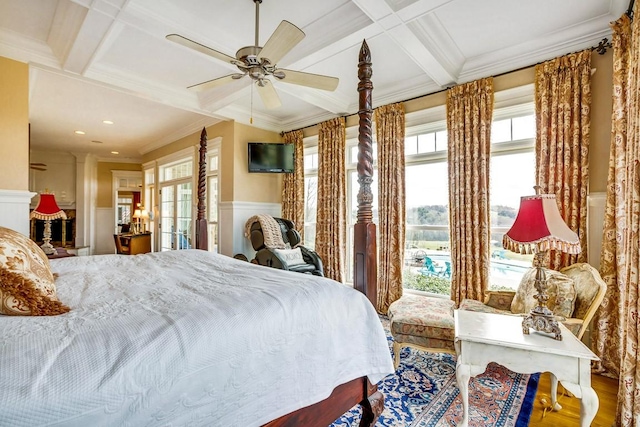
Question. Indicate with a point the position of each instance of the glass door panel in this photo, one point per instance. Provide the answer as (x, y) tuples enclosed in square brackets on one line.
[(167, 217), (183, 216)]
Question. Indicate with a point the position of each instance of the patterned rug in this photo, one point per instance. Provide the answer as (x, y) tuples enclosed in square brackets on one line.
[(423, 393)]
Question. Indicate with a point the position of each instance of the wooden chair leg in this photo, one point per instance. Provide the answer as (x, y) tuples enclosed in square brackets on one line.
[(396, 355)]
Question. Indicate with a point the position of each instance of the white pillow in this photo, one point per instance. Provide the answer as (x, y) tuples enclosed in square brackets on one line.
[(290, 256)]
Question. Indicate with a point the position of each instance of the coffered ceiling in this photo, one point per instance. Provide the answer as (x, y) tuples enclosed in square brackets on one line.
[(95, 60)]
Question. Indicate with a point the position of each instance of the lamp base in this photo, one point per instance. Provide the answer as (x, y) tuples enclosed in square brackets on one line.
[(48, 248), (543, 320), (540, 318)]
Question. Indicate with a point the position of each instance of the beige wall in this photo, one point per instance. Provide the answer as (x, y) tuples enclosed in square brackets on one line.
[(105, 181), (254, 187), (601, 110), (14, 125)]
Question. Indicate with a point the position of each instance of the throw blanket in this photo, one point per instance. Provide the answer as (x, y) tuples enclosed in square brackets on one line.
[(270, 231)]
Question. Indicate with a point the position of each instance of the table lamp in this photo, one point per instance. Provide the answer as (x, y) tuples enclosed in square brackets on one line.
[(537, 229), (47, 210), (137, 215)]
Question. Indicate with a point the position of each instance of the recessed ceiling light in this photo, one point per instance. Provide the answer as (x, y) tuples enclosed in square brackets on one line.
[(97, 142), (79, 132), (107, 122), (115, 152)]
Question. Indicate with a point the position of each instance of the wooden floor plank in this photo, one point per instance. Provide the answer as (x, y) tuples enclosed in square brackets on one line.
[(606, 388)]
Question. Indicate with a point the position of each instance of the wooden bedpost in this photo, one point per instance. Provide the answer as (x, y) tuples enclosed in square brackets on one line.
[(365, 277), (201, 221)]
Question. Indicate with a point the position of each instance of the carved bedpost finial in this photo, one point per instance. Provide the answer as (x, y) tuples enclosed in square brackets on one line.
[(365, 139), (201, 221)]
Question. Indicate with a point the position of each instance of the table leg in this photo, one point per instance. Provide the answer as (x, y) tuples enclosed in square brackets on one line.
[(588, 406), (555, 406), (463, 374)]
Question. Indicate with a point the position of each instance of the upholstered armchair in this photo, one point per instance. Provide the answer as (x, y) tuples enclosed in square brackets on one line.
[(277, 245), (575, 293)]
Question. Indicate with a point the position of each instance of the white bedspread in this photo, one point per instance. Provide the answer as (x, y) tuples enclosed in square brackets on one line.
[(184, 338)]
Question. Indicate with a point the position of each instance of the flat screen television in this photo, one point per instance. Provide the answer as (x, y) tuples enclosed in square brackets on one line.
[(270, 157)]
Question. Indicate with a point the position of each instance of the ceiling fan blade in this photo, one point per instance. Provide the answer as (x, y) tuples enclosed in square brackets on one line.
[(283, 39), (176, 38), (316, 81), (37, 164), (210, 84), (268, 94), (38, 168)]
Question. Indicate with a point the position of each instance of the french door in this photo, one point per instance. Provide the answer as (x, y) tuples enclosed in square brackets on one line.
[(176, 204)]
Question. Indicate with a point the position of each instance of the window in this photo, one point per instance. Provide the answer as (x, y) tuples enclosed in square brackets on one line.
[(427, 209), (212, 197), (427, 252), (176, 201), (310, 195), (512, 176)]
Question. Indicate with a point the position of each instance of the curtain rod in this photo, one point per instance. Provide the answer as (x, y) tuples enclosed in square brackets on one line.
[(600, 48)]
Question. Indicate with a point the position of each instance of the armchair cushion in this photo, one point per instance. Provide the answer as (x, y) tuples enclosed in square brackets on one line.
[(560, 289)]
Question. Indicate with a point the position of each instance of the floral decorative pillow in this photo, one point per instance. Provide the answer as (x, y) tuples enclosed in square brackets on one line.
[(560, 289), (26, 283)]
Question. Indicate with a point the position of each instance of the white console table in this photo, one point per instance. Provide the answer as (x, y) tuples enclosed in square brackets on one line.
[(481, 338)]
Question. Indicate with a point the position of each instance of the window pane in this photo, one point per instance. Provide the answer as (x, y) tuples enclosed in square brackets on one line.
[(441, 140), (512, 176), (427, 143), (213, 198), (410, 145), (524, 127), (213, 163), (427, 194), (310, 199), (353, 158), (501, 131)]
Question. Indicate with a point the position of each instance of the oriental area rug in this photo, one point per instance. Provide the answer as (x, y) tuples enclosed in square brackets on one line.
[(423, 393)]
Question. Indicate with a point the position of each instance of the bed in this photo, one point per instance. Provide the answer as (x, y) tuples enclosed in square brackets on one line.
[(184, 338), (195, 338)]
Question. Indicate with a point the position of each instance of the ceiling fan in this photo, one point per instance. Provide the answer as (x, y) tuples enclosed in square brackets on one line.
[(38, 166), (260, 62)]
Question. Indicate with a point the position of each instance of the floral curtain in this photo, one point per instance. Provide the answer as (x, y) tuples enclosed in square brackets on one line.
[(293, 183), (563, 106), (616, 323), (331, 216), (391, 202), (469, 115)]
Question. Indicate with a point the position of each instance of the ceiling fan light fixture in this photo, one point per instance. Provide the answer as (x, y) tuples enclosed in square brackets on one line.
[(259, 62)]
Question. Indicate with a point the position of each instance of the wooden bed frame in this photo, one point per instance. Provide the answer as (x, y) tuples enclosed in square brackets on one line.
[(360, 390)]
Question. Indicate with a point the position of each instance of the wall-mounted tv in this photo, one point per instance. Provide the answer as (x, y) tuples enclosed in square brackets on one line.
[(270, 157)]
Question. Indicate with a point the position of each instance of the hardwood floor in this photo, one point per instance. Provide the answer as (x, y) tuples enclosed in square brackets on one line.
[(606, 388)]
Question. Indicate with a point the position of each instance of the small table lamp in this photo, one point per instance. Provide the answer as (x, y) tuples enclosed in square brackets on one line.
[(47, 210), (537, 229), (137, 214)]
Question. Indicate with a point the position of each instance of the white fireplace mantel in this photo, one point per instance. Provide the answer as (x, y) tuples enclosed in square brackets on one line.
[(14, 209)]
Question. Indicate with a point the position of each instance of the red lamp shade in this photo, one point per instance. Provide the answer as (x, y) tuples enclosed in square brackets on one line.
[(47, 208), (539, 227)]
